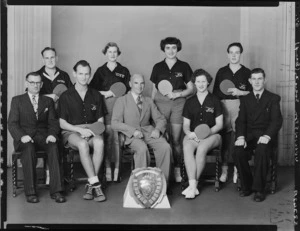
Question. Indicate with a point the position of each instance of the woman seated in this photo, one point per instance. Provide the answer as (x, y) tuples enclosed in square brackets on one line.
[(202, 108)]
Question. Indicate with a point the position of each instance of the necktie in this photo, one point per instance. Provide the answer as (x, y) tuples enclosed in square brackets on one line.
[(257, 98), (35, 106), (139, 103)]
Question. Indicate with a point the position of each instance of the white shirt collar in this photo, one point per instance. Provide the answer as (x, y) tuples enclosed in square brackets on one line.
[(258, 92), (36, 97), (135, 96)]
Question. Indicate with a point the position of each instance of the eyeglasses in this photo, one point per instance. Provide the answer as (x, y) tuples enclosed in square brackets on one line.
[(32, 83)]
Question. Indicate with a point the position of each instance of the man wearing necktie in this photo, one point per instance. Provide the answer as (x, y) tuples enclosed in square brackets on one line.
[(257, 125), (34, 126), (132, 115)]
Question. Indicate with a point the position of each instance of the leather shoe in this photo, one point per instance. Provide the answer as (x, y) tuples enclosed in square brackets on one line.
[(245, 193), (32, 199), (59, 198), (259, 196)]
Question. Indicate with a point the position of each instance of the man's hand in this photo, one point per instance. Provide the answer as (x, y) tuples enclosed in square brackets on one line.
[(193, 136), (138, 134), (155, 134), (26, 139), (234, 91), (241, 142), (85, 133), (108, 94), (51, 139), (263, 140)]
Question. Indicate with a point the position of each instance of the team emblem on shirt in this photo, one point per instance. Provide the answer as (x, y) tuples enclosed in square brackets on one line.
[(61, 81), (242, 86), (93, 107), (209, 109), (120, 75), (178, 74)]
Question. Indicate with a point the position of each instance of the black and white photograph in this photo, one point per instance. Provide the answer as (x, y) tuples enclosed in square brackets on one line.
[(158, 116)]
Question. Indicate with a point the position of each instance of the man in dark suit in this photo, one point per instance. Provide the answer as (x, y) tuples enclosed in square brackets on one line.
[(33, 125), (257, 126)]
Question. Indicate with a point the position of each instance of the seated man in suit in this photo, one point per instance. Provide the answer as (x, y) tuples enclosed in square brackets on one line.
[(33, 125), (131, 116), (77, 107), (257, 125)]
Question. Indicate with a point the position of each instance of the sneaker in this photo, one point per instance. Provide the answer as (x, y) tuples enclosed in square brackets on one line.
[(89, 192), (47, 177), (116, 174), (177, 174), (224, 175), (98, 194)]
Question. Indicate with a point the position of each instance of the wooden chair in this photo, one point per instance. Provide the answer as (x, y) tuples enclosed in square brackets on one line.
[(17, 155), (69, 157), (216, 153), (273, 169), (127, 153)]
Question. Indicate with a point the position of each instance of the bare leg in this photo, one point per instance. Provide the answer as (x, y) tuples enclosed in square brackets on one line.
[(98, 145)]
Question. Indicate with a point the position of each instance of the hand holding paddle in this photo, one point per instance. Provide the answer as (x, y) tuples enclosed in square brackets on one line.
[(165, 87), (226, 86), (59, 89)]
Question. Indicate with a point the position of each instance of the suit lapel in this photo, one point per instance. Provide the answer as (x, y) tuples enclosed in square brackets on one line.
[(41, 105), (28, 104), (133, 104), (144, 108), (262, 102)]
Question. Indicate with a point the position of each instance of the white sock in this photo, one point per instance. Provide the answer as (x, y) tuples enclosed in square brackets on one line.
[(93, 180), (116, 173)]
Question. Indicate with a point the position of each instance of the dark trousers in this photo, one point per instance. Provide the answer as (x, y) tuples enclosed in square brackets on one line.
[(28, 160), (258, 181)]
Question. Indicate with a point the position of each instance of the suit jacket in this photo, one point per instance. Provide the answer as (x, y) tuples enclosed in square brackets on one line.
[(22, 119), (126, 117), (256, 119)]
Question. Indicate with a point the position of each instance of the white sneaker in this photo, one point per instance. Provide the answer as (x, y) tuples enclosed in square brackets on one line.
[(177, 175), (47, 177), (224, 175), (116, 174), (235, 175)]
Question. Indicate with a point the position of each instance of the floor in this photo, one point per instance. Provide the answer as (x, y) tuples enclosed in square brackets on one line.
[(209, 208)]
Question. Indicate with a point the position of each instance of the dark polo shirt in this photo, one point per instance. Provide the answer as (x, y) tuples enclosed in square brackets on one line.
[(62, 77), (202, 114), (77, 111), (240, 80), (104, 78), (179, 75)]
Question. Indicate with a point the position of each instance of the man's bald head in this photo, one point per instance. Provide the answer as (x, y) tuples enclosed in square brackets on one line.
[(136, 76)]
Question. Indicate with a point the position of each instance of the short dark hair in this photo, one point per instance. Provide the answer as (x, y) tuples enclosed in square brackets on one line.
[(257, 71), (48, 49), (235, 45), (199, 72), (111, 44), (33, 74), (82, 63), (170, 40)]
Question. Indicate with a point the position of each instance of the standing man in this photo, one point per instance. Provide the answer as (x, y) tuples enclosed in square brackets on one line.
[(51, 74), (257, 126), (239, 75), (77, 107), (132, 114), (34, 126)]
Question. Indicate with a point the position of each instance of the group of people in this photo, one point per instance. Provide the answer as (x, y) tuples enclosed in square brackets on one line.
[(247, 118)]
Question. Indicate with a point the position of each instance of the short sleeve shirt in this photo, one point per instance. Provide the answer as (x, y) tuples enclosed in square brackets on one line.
[(239, 78), (48, 85), (77, 111), (179, 75), (104, 78), (202, 114)]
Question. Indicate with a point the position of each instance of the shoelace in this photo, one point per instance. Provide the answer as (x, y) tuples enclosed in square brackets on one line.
[(98, 190), (89, 189)]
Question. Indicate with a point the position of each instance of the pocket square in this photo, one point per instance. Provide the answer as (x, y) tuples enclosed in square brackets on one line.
[(46, 109)]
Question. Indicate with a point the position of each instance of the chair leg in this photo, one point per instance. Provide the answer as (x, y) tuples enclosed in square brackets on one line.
[(71, 176), (14, 176), (217, 183), (273, 176), (184, 180)]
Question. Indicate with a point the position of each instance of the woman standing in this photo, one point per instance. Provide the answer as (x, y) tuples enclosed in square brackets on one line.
[(202, 108), (105, 76), (171, 106)]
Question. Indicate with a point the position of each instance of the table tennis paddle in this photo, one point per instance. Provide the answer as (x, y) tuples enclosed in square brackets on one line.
[(202, 131), (225, 85), (118, 88), (59, 89), (98, 128), (165, 87)]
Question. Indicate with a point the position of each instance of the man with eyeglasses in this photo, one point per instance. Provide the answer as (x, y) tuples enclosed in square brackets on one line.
[(257, 125), (34, 126), (51, 74)]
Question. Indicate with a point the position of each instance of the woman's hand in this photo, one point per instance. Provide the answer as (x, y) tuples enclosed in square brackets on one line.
[(107, 94), (85, 133), (193, 136)]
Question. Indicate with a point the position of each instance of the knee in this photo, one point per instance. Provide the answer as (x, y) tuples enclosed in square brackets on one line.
[(142, 149), (98, 142), (239, 152), (29, 147), (83, 145)]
